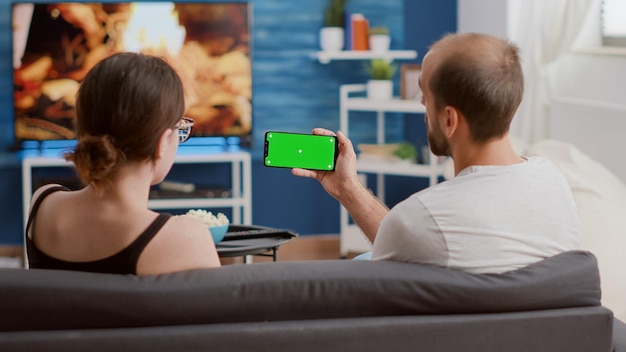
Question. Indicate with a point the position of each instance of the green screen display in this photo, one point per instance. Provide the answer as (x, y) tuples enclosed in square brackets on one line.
[(306, 151)]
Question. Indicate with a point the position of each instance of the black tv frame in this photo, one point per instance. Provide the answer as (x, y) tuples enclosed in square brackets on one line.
[(244, 140)]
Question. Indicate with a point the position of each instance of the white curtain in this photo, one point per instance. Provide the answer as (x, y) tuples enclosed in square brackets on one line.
[(544, 30)]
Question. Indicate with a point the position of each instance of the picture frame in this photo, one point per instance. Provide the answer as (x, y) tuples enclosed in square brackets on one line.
[(409, 81)]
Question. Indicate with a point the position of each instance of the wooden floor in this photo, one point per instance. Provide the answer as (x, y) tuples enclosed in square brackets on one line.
[(11, 256), (318, 247), (10, 251)]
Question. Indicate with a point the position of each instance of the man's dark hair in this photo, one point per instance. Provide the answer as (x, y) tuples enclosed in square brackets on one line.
[(481, 76)]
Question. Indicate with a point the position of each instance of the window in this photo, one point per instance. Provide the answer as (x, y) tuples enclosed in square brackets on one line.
[(612, 22)]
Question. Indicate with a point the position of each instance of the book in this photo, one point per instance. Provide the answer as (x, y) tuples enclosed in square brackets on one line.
[(359, 30), (347, 31)]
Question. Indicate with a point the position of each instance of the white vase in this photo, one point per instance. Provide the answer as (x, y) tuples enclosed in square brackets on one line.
[(379, 89), (379, 42), (331, 38)]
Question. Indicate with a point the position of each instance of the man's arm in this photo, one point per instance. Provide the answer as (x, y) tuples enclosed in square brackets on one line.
[(343, 184), (366, 210)]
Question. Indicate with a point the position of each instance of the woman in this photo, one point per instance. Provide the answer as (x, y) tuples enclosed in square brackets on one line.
[(129, 123)]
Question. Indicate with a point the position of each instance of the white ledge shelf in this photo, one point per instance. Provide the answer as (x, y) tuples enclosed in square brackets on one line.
[(393, 105), (377, 166), (325, 57)]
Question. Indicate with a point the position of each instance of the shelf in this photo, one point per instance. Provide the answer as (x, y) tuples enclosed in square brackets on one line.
[(394, 105), (352, 99), (398, 168), (183, 156), (360, 103), (196, 203), (325, 57), (240, 200)]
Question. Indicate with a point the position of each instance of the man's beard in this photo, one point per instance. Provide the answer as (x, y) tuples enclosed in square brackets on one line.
[(437, 141)]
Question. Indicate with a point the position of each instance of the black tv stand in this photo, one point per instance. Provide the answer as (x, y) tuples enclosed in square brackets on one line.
[(15, 147), (41, 146)]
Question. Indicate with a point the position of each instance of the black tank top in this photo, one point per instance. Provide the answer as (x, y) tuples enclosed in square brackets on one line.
[(123, 262)]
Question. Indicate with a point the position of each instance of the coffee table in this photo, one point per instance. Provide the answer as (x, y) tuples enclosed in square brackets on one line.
[(247, 240)]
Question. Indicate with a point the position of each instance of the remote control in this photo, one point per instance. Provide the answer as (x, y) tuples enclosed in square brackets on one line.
[(255, 233)]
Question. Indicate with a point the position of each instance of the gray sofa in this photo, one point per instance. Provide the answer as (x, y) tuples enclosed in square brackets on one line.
[(341, 305)]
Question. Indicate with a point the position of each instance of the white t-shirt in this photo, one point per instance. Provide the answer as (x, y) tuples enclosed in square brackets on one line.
[(488, 219)]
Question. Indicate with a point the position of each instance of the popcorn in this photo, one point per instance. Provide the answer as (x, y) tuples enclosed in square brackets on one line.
[(208, 218)]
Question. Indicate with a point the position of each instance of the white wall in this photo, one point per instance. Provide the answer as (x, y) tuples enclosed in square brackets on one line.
[(595, 128), (591, 76), (482, 16), (589, 87)]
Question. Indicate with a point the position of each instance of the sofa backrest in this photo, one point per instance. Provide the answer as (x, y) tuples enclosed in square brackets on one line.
[(50, 300)]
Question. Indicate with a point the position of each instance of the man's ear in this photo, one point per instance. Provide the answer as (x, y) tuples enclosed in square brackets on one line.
[(165, 142), (451, 121)]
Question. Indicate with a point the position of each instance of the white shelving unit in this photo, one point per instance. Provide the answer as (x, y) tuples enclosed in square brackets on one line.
[(351, 237), (325, 57), (240, 200)]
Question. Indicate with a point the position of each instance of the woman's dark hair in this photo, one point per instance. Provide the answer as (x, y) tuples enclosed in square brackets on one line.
[(482, 77), (123, 106)]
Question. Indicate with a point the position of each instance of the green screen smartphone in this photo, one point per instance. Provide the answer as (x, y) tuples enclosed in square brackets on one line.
[(297, 150)]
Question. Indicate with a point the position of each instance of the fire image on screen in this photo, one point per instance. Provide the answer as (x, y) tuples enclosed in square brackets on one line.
[(55, 44)]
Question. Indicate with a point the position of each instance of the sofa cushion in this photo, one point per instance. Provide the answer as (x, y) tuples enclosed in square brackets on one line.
[(50, 299)]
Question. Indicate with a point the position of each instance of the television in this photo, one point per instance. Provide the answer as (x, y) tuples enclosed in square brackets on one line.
[(56, 43)]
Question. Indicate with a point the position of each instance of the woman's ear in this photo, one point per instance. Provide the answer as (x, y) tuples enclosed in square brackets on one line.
[(165, 142)]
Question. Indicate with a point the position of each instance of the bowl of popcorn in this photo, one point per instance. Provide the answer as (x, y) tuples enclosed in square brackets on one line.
[(217, 224)]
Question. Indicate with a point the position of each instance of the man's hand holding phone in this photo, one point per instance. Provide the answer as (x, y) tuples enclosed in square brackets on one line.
[(344, 185), (344, 176)]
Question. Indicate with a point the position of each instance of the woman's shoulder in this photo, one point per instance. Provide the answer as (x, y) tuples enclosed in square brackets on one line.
[(187, 227), (47, 189), (184, 244), (187, 222), (52, 187)]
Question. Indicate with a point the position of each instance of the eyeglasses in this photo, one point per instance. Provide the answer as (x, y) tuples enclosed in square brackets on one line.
[(184, 129)]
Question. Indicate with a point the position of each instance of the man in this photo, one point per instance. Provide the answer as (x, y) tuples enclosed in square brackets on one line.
[(501, 211)]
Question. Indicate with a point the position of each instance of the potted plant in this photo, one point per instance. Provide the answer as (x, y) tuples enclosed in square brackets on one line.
[(379, 39), (332, 34), (406, 152), (380, 85)]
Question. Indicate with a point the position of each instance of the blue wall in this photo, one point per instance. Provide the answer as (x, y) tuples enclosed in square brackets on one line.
[(424, 23), (291, 92)]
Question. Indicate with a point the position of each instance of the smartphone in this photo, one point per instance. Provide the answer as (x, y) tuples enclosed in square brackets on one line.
[(298, 150)]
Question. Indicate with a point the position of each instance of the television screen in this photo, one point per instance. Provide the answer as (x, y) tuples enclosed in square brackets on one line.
[(55, 44)]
